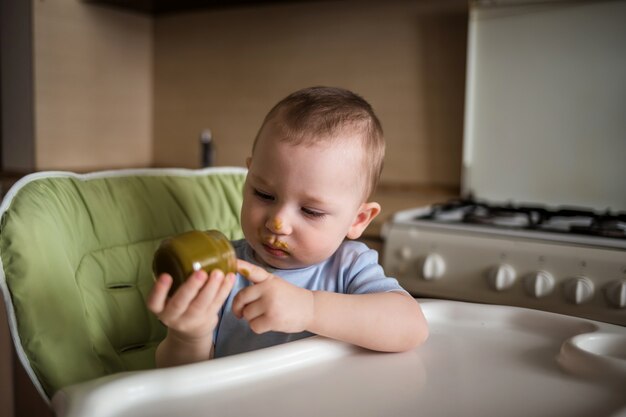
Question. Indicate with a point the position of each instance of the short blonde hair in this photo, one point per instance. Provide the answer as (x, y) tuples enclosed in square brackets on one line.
[(316, 114)]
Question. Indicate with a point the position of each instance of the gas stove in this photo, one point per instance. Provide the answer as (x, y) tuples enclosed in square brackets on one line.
[(566, 223), (565, 260)]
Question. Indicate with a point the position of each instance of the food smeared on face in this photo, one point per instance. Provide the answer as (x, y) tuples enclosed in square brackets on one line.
[(280, 244), (275, 243), (278, 224), (272, 240)]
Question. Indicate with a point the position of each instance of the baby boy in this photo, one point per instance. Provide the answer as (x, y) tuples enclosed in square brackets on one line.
[(315, 162)]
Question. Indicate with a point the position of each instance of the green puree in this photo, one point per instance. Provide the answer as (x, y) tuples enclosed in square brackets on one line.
[(183, 254)]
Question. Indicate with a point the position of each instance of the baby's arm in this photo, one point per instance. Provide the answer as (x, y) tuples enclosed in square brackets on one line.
[(190, 315), (391, 322)]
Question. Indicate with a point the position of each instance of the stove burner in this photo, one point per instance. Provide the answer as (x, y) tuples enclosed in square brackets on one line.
[(507, 216), (562, 220), (605, 225)]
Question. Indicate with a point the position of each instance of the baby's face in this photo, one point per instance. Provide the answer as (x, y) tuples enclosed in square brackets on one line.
[(300, 202)]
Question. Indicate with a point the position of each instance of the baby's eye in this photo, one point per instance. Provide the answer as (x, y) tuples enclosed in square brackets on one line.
[(263, 196), (313, 213)]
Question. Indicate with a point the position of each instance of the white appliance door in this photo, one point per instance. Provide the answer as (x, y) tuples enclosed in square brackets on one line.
[(545, 110)]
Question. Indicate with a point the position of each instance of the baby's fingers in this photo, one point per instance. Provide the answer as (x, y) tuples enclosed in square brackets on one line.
[(214, 292), (222, 293), (178, 304), (158, 295), (245, 297), (251, 272), (207, 294)]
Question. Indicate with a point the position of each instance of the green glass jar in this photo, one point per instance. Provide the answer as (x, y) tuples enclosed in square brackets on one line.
[(183, 254)]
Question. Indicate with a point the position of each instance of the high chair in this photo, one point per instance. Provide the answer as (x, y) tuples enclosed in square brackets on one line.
[(76, 255)]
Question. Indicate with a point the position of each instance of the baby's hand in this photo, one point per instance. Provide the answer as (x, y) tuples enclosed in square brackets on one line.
[(192, 311), (272, 304)]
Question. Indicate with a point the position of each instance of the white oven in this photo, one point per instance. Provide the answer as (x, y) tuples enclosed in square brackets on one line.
[(565, 261)]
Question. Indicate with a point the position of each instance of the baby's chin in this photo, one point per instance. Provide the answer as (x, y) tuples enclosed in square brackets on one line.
[(288, 262), (264, 259)]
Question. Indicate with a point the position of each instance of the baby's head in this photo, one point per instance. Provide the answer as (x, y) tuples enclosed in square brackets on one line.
[(315, 162), (328, 114)]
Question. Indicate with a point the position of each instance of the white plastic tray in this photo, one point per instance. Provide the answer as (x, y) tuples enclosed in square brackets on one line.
[(480, 360)]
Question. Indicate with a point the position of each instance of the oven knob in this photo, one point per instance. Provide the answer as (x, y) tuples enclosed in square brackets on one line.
[(434, 267), (578, 290), (616, 293), (501, 277), (539, 284)]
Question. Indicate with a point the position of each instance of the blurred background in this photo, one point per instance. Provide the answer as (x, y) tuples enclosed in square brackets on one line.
[(116, 84)]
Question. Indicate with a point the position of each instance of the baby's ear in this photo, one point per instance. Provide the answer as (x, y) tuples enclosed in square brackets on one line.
[(366, 213)]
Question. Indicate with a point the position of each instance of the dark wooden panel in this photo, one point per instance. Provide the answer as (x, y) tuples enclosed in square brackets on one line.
[(156, 7)]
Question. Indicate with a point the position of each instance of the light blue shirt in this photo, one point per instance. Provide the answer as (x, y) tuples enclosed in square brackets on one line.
[(352, 269)]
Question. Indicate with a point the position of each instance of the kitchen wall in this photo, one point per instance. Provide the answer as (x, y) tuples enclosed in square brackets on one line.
[(88, 93), (111, 88), (93, 85), (223, 69)]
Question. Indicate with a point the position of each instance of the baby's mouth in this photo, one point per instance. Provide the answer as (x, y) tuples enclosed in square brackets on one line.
[(275, 246)]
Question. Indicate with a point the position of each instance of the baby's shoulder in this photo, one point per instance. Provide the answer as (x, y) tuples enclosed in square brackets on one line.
[(350, 251), (348, 246)]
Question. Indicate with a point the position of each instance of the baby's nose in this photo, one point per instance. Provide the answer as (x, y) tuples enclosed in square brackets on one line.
[(277, 225)]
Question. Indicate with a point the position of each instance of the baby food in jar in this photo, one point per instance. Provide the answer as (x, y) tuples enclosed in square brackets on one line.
[(183, 254)]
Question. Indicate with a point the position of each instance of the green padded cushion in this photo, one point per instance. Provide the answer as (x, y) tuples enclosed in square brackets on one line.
[(77, 254)]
